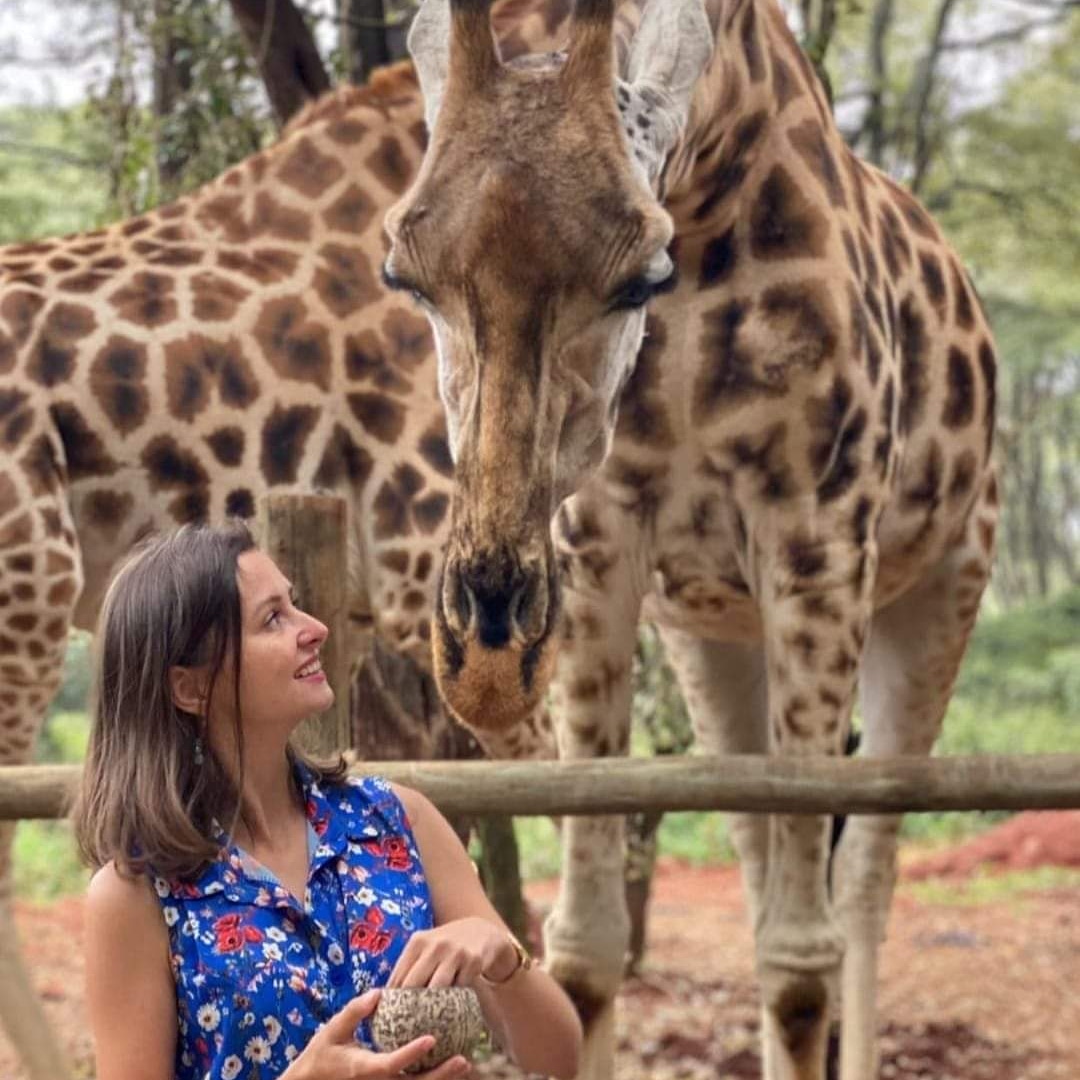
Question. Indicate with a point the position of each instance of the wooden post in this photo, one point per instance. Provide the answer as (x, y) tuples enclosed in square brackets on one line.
[(306, 535)]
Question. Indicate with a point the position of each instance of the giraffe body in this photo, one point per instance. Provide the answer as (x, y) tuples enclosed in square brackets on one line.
[(792, 478)]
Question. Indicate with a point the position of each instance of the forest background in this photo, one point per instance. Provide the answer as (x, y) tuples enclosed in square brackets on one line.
[(973, 104)]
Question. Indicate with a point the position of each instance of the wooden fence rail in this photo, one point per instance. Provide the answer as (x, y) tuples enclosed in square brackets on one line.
[(619, 786)]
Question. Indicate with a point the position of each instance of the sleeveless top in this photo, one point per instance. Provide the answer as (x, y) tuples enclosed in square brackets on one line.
[(257, 970)]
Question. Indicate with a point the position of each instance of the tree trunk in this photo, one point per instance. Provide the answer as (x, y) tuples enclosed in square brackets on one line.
[(172, 80), (500, 871), (365, 38), (819, 24), (285, 52), (874, 123)]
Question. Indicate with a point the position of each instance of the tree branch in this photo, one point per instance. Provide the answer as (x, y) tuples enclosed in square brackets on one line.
[(922, 89), (1001, 37)]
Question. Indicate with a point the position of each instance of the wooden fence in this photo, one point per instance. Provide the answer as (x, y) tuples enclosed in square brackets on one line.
[(624, 785), (307, 535)]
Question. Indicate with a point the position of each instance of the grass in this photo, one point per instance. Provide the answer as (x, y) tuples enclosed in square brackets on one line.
[(985, 887)]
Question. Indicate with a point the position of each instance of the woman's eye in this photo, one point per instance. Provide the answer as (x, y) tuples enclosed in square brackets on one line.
[(273, 618)]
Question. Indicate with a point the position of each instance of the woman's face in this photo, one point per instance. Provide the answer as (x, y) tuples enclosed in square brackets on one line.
[(281, 677)]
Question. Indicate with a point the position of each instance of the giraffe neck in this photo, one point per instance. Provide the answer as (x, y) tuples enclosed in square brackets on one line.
[(757, 74)]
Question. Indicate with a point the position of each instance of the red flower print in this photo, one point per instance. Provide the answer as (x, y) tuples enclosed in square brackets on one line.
[(319, 824), (369, 936), (232, 934), (394, 852)]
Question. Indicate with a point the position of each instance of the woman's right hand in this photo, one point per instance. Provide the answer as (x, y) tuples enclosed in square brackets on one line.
[(334, 1053)]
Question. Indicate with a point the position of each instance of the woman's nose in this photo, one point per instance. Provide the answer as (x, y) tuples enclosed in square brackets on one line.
[(313, 631)]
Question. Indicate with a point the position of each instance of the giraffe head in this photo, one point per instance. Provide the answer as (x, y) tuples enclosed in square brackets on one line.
[(534, 238)]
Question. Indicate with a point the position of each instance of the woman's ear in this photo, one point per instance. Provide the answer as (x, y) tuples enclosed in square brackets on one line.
[(188, 687)]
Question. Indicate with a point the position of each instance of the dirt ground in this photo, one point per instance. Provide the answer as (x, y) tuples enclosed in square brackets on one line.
[(968, 992)]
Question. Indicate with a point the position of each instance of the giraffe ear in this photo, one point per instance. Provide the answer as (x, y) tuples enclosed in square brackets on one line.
[(670, 50), (429, 46)]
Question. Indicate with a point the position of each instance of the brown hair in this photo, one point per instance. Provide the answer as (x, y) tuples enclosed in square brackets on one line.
[(147, 801)]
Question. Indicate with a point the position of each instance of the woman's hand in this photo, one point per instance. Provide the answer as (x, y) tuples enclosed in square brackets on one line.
[(334, 1053), (455, 954)]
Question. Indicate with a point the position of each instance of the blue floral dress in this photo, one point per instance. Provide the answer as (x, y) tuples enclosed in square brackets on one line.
[(257, 972)]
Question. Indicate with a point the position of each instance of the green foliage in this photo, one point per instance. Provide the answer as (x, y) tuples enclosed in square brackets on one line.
[(49, 181), (1022, 664), (46, 865)]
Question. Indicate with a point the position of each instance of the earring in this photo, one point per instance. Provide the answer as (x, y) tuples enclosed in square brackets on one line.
[(198, 751)]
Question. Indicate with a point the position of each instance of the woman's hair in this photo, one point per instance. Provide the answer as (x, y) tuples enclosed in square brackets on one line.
[(151, 788)]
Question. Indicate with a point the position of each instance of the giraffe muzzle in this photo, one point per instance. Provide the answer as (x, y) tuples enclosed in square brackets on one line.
[(495, 601)]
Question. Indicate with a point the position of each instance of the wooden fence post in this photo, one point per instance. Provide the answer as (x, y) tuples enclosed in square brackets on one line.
[(306, 535)]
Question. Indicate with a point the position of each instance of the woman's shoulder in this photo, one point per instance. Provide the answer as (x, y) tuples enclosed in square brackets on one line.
[(118, 899)]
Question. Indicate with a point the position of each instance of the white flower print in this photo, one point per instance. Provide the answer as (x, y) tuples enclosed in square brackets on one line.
[(273, 1028), (365, 896), (230, 1067), (271, 951), (391, 907), (274, 934), (161, 887), (248, 1020), (257, 1050), (172, 916), (209, 1016), (335, 953), (291, 1052)]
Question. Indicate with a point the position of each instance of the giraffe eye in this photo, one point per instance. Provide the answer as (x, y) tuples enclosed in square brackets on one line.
[(399, 284), (637, 292)]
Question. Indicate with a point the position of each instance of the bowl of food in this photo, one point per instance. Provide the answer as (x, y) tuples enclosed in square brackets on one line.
[(450, 1013)]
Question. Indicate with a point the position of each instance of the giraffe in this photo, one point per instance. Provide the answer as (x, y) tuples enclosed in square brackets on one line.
[(175, 366), (792, 479)]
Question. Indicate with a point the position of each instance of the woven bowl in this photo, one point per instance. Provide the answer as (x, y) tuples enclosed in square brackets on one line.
[(450, 1013)]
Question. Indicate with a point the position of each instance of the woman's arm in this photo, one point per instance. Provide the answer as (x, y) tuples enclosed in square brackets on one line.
[(530, 1013), (130, 993)]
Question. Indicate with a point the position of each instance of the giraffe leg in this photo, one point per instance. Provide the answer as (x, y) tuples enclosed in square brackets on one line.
[(587, 935), (725, 690), (40, 580), (814, 596), (911, 660)]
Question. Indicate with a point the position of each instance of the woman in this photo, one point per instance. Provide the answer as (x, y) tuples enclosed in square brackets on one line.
[(249, 902)]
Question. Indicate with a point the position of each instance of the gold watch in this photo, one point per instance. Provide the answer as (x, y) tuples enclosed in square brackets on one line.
[(524, 962)]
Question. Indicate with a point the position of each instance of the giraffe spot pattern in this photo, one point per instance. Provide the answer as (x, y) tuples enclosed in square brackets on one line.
[(227, 445), (294, 343), (808, 139), (379, 415), (195, 364), (52, 356), (784, 223), (284, 437), (146, 300), (84, 450), (642, 416), (118, 383), (345, 280), (308, 170), (959, 409), (215, 298), (342, 461)]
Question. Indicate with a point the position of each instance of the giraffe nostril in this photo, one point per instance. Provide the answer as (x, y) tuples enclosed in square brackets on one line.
[(458, 602)]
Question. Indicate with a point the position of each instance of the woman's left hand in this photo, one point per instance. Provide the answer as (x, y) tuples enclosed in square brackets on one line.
[(454, 954)]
